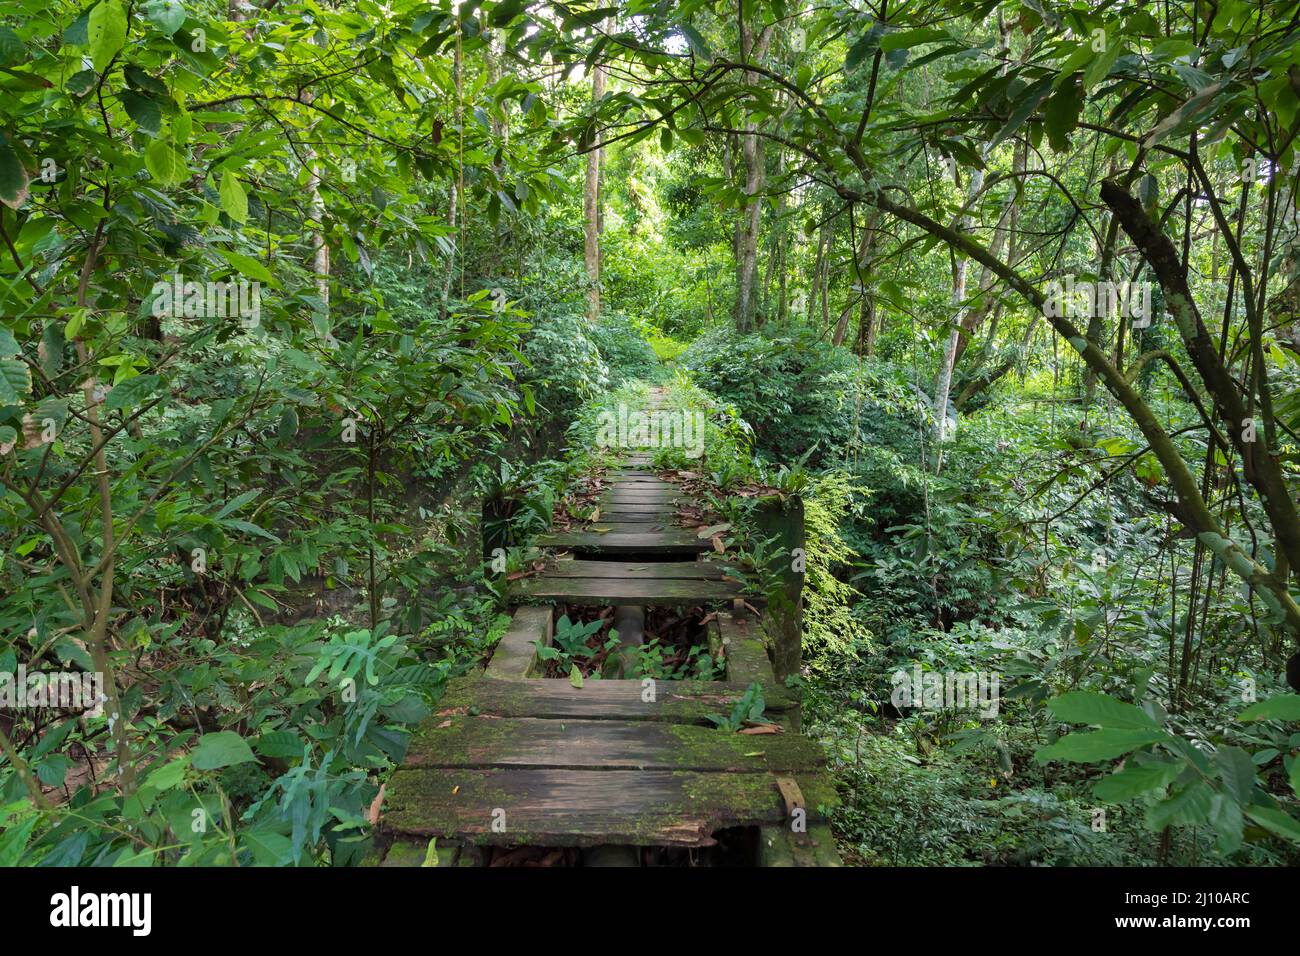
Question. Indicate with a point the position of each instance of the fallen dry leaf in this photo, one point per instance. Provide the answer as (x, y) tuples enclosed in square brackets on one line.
[(761, 729), (373, 814)]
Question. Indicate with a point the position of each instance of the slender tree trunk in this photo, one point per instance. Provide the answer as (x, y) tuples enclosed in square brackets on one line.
[(753, 157), (320, 250), (456, 191), (943, 384), (591, 208)]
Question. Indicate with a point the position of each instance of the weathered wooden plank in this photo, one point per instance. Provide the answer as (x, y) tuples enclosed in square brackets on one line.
[(515, 651), (638, 493), (660, 592), (666, 518), (583, 807), (617, 525), (658, 542), (470, 742), (687, 570), (682, 702), (663, 512), (745, 650), (781, 846)]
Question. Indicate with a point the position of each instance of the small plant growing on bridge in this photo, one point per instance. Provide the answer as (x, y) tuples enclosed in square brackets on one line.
[(655, 660), (746, 712), (571, 643)]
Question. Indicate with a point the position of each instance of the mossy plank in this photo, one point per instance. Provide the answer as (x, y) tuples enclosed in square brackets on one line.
[(483, 741), (413, 853), (514, 653), (781, 846), (747, 659), (684, 702), (580, 807)]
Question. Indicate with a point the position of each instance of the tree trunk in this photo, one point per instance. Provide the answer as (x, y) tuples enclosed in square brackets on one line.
[(943, 384), (753, 158), (591, 208)]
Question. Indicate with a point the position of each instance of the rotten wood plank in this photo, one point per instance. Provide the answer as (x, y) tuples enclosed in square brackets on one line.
[(745, 650), (584, 807), (480, 742), (515, 651), (779, 846)]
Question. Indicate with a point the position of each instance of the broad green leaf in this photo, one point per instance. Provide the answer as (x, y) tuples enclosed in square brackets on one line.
[(268, 847), (1099, 745), (1276, 822), (1087, 707), (166, 15), (12, 49), (247, 265), (8, 344), (696, 42), (13, 178), (53, 769), (165, 162), (233, 199), (13, 841), (1282, 707), (105, 32), (1135, 780), (1189, 807), (1225, 817), (221, 749), (1238, 772), (1061, 115), (866, 45), (15, 381), (575, 676), (505, 11), (131, 393), (1100, 67), (170, 774), (279, 743), (145, 111)]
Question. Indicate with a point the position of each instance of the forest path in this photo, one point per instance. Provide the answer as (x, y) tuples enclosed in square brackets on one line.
[(517, 759)]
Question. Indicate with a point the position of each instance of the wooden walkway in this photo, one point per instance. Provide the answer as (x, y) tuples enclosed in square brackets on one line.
[(514, 758)]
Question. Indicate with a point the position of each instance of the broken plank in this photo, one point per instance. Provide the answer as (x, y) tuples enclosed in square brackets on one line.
[(746, 652), (481, 742), (515, 652), (781, 846)]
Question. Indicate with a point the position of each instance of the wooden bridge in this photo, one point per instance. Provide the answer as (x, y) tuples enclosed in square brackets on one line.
[(518, 767)]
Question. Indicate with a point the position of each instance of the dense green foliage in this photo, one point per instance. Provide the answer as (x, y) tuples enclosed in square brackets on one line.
[(252, 504)]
